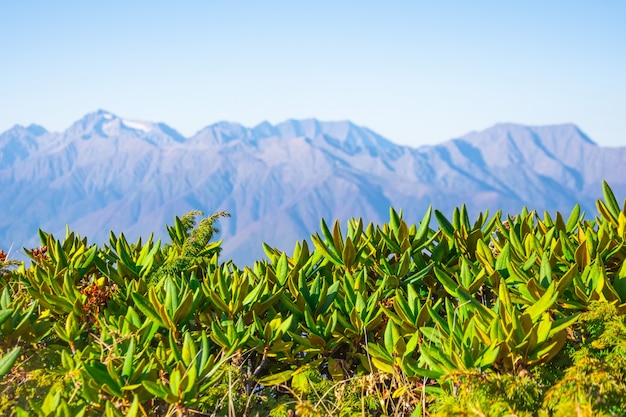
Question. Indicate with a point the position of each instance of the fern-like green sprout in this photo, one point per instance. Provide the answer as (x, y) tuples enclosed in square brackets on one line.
[(191, 246)]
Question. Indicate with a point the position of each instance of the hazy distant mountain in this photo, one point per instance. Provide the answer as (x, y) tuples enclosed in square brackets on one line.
[(108, 173)]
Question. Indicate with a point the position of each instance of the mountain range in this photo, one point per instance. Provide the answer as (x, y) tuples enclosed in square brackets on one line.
[(277, 181)]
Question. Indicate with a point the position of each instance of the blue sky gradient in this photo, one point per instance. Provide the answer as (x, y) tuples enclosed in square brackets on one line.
[(415, 72)]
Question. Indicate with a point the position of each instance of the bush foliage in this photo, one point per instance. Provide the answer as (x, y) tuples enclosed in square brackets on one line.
[(504, 315)]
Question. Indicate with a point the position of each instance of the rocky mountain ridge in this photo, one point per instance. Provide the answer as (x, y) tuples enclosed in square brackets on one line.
[(109, 173)]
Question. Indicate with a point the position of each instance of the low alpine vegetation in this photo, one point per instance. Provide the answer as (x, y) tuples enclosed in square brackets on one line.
[(504, 315)]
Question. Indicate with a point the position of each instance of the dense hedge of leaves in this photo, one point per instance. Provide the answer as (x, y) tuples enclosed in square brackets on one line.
[(503, 315)]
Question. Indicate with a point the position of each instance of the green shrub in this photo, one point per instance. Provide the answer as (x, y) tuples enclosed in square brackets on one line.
[(505, 315)]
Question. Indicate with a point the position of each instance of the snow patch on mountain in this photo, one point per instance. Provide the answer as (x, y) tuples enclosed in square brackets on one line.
[(132, 124)]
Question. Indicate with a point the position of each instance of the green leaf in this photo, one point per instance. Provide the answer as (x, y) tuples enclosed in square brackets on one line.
[(413, 343), (488, 357), (133, 410), (605, 212), (328, 252), (438, 365), (189, 350), (391, 335), (465, 221), (59, 304), (565, 281), (544, 303), (184, 308), (394, 220), (610, 201), (175, 381), (561, 324), (383, 365), (330, 297), (456, 219), (619, 283), (391, 244), (127, 369), (546, 270), (582, 256), (337, 237), (5, 314), (572, 221), (146, 308), (52, 400), (300, 382), (276, 379), (448, 283), (219, 336), (71, 327), (349, 253), (171, 296), (328, 236), (204, 357), (158, 390), (444, 223), (100, 374), (282, 269), (7, 361)]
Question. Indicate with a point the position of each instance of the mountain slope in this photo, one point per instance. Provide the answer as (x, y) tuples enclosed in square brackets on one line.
[(109, 173)]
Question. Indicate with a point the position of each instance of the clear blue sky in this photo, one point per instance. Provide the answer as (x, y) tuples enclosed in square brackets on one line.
[(416, 72)]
